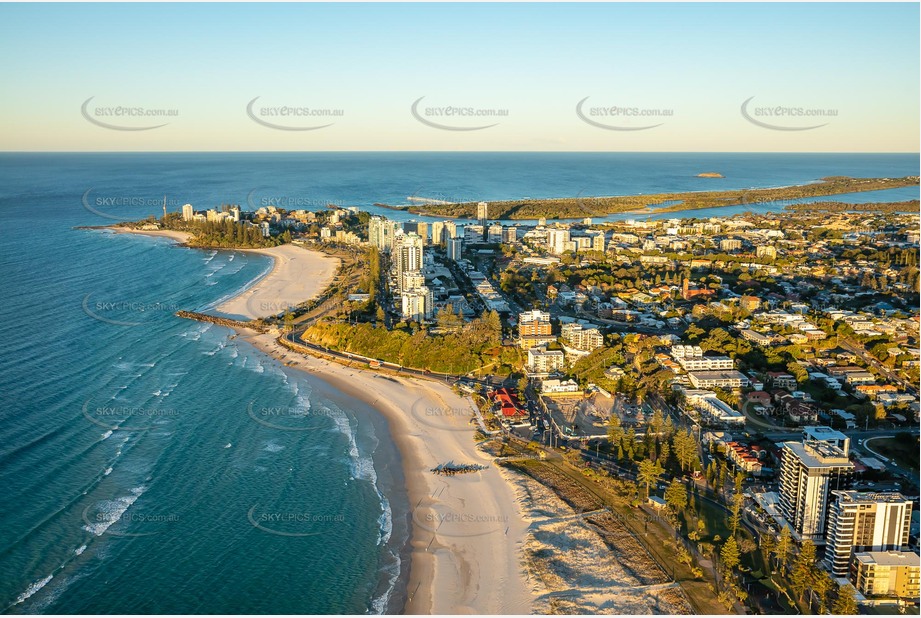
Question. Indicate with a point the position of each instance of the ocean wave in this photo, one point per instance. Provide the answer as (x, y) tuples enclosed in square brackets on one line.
[(80, 550), (273, 447), (112, 510), (33, 588)]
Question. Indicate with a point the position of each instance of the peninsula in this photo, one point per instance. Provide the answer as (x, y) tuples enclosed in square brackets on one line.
[(575, 207)]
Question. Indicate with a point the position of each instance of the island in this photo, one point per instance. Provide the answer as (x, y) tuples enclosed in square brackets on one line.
[(710, 175)]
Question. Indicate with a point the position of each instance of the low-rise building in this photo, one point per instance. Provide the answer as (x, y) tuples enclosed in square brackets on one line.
[(543, 361), (718, 379), (890, 574)]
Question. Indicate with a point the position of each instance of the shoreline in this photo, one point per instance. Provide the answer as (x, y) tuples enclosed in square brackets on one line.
[(468, 530), (297, 275)]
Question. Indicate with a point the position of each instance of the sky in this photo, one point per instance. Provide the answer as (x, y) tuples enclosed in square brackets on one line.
[(687, 77)]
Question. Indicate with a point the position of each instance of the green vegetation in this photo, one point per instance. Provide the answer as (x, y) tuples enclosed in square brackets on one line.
[(217, 235), (562, 208), (909, 206), (477, 345)]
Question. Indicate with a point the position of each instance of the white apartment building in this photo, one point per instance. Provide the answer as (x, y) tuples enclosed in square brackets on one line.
[(809, 471), (864, 521)]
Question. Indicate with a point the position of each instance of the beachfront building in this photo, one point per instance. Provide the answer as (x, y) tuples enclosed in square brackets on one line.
[(887, 574), (864, 521), (809, 471), (417, 304), (382, 232), (188, 213), (407, 256)]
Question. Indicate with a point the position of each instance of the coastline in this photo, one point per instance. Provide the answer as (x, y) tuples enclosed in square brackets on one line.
[(467, 530), (297, 275)]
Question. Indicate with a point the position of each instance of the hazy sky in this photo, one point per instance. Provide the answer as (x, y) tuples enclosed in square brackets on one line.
[(694, 65)]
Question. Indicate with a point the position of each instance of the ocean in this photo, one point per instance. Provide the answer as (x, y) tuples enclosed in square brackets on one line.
[(150, 464)]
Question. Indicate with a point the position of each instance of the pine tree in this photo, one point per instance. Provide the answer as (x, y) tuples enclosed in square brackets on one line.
[(784, 547), (845, 602), (801, 571), (730, 553)]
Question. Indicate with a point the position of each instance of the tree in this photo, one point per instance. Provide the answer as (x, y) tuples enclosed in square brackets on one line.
[(649, 473), (729, 555), (735, 510), (801, 571), (676, 496), (615, 431), (822, 583), (845, 601), (784, 547)]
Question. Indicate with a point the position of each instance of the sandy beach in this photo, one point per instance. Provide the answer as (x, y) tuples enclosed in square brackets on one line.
[(467, 530), (468, 533), (297, 275)]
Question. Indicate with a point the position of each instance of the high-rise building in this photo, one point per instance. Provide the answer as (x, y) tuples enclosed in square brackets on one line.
[(510, 235), (422, 229), (455, 248), (557, 240), (809, 471), (482, 213), (417, 304), (864, 521), (187, 212), (598, 242), (451, 230), (438, 231), (412, 279), (407, 256), (494, 233), (730, 244), (382, 232), (823, 433), (534, 328)]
